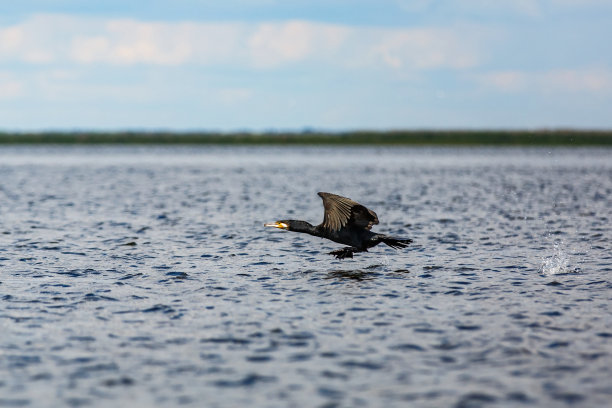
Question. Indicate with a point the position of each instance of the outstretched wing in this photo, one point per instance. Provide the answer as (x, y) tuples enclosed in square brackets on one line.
[(342, 211)]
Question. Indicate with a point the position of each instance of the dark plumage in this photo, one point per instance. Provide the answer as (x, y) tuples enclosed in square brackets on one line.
[(346, 222)]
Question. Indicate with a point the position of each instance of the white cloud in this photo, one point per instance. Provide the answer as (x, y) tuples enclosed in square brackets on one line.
[(275, 43), (507, 81), (425, 48), (588, 80), (231, 96), (10, 89), (60, 39), (10, 39), (134, 42)]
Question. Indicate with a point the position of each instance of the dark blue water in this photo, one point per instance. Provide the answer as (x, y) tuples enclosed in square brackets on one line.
[(144, 277)]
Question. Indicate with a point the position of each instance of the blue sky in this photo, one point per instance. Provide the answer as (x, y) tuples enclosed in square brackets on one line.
[(287, 65)]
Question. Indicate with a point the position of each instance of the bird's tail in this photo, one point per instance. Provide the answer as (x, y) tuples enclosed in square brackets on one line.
[(396, 243)]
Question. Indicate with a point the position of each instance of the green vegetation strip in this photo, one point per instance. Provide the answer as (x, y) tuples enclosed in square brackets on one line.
[(409, 137)]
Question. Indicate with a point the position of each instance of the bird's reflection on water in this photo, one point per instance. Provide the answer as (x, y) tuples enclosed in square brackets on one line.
[(351, 274), (370, 272)]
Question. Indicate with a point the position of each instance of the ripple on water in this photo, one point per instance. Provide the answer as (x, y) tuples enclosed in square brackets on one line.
[(144, 275)]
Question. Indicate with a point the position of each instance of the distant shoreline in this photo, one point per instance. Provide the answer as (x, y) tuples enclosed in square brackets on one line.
[(382, 138)]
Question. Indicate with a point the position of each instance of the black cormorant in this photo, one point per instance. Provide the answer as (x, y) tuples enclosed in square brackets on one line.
[(346, 222)]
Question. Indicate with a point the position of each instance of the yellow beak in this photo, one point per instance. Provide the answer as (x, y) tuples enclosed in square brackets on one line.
[(277, 224)]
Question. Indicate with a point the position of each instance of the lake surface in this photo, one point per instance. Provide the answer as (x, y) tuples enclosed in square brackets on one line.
[(143, 276)]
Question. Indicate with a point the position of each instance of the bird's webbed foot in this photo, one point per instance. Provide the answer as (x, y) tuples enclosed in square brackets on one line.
[(346, 252)]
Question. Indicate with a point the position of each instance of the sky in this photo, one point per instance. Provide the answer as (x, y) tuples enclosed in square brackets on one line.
[(277, 65)]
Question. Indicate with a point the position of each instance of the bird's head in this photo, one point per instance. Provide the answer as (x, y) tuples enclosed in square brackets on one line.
[(283, 224)]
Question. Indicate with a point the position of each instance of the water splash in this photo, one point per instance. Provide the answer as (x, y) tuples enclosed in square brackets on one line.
[(558, 263)]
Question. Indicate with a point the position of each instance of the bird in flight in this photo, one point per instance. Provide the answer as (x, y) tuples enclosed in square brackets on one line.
[(346, 222)]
